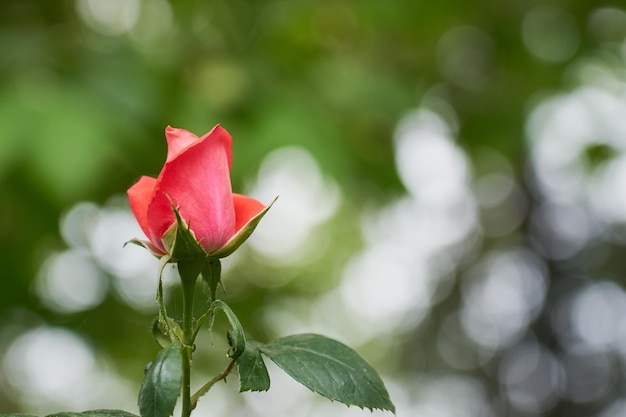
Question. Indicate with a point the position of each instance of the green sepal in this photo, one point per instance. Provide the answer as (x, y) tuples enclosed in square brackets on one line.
[(161, 384), (211, 274), (146, 244), (180, 242), (253, 374), (190, 269), (242, 235)]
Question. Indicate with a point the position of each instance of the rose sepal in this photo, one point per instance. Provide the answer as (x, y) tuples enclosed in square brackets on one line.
[(212, 276), (180, 242), (242, 235), (146, 244)]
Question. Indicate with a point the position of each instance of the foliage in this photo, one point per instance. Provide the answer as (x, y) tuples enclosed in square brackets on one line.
[(331, 369), (161, 385)]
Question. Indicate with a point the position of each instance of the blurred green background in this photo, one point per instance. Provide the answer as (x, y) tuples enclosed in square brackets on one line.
[(451, 178)]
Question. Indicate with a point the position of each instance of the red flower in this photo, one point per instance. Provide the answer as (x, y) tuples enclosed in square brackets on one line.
[(196, 181)]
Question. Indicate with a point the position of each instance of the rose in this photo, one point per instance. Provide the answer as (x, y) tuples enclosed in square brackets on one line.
[(194, 184)]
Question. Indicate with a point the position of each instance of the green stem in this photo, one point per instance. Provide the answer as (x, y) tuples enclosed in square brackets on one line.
[(188, 286)]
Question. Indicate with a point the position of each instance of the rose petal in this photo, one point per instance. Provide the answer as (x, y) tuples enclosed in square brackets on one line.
[(177, 141), (197, 181), (219, 132), (246, 206), (140, 196), (245, 209)]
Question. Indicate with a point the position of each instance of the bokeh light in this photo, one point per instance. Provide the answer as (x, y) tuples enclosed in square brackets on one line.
[(109, 17), (531, 377), (306, 201), (53, 367), (502, 295), (71, 282)]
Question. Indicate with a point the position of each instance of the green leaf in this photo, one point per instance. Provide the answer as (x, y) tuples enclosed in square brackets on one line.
[(161, 385), (331, 369), (236, 337), (93, 413), (253, 374)]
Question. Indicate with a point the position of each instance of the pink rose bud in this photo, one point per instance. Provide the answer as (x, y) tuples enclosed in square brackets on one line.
[(195, 181)]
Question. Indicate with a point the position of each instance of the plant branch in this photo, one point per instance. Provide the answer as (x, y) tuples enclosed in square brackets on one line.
[(188, 287), (206, 387), (163, 317)]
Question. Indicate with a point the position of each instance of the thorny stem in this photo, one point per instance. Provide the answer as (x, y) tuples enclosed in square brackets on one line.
[(188, 287), (189, 272)]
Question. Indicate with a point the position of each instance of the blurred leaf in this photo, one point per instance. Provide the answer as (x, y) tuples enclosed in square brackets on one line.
[(161, 385), (69, 147), (92, 413), (17, 415), (13, 134), (253, 374), (331, 369)]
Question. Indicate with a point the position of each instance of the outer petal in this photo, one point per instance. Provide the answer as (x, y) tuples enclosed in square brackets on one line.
[(177, 141), (245, 209), (140, 196), (197, 181), (220, 131)]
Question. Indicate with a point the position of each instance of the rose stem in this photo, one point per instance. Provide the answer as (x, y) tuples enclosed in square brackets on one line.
[(188, 287)]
